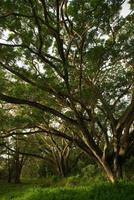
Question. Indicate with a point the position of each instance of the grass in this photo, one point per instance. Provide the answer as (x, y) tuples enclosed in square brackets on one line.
[(100, 191)]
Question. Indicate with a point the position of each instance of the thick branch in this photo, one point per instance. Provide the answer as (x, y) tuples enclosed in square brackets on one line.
[(127, 116), (44, 108)]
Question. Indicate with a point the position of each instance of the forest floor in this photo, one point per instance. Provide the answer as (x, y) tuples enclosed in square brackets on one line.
[(100, 191)]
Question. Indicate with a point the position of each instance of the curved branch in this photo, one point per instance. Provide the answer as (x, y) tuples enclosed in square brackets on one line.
[(34, 104)]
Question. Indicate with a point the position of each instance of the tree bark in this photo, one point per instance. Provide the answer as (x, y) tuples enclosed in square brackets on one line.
[(9, 175), (117, 167), (17, 170), (114, 169), (108, 171)]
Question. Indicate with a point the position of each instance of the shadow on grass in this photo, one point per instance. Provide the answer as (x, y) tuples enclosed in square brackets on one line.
[(12, 191)]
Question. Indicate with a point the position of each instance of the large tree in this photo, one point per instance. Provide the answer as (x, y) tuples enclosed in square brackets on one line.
[(72, 60)]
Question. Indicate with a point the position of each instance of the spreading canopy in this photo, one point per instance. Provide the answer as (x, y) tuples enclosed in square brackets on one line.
[(73, 60)]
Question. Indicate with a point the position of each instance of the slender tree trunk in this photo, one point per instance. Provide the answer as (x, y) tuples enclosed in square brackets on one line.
[(17, 174), (9, 175), (9, 169), (18, 168), (62, 167)]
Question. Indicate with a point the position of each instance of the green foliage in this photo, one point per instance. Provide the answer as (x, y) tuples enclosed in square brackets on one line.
[(91, 171)]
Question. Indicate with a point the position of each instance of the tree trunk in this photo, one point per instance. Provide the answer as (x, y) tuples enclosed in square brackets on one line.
[(9, 176), (108, 171), (9, 179), (117, 167), (62, 170), (113, 170), (18, 168), (17, 175)]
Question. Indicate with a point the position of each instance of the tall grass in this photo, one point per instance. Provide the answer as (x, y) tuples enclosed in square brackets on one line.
[(101, 191)]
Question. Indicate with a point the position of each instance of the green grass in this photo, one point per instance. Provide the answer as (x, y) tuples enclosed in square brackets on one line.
[(101, 191)]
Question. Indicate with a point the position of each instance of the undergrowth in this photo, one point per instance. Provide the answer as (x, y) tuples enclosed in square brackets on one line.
[(94, 191)]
